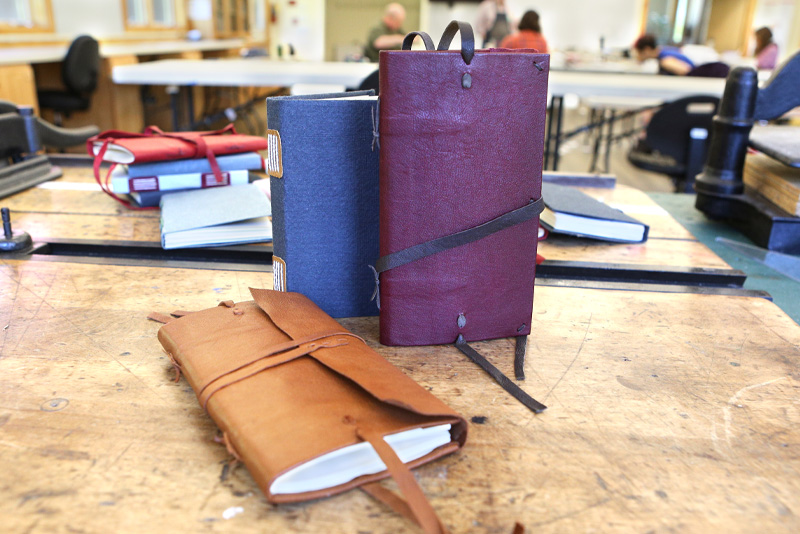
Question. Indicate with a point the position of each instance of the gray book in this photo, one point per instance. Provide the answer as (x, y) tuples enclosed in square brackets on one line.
[(215, 217)]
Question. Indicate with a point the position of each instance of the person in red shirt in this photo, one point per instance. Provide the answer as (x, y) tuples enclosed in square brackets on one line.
[(528, 36)]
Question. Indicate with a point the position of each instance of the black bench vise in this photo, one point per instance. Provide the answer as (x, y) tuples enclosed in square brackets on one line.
[(721, 193), (22, 136)]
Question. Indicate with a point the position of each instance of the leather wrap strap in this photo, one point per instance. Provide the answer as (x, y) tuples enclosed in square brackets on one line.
[(416, 505), (426, 39), (280, 354), (500, 378), (416, 252), (467, 39)]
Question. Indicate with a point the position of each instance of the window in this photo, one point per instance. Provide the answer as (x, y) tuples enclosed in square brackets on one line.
[(231, 18), (26, 15), (149, 14)]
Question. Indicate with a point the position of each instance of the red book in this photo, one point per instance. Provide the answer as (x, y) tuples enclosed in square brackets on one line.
[(461, 148), (155, 145)]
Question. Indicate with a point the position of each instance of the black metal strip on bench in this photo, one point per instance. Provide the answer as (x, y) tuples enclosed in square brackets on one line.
[(654, 288), (240, 254), (652, 274), (142, 262)]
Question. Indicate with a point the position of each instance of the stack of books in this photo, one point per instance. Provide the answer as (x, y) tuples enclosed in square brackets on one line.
[(153, 165), (146, 183), (154, 162)]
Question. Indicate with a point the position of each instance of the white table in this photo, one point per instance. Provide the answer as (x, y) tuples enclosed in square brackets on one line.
[(652, 87), (254, 72), (655, 86), (251, 72)]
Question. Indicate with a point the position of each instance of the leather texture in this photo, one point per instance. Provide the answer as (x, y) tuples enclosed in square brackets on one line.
[(455, 156), (286, 384)]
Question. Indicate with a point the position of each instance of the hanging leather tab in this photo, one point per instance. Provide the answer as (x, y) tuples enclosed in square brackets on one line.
[(519, 357), (415, 501), (515, 391), (467, 39), (426, 39)]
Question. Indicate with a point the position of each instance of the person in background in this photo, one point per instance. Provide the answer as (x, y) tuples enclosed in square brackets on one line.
[(528, 36), (670, 59), (388, 35), (493, 24), (766, 50)]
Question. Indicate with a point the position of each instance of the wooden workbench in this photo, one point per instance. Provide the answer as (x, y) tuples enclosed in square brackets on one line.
[(667, 413), (75, 214)]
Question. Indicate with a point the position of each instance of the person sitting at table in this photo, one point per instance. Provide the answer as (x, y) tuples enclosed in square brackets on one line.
[(388, 35), (766, 50), (528, 36), (670, 59)]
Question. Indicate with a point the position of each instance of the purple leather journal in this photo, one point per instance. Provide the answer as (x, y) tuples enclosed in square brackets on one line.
[(461, 145)]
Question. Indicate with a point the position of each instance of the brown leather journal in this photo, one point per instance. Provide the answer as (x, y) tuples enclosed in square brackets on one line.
[(307, 406)]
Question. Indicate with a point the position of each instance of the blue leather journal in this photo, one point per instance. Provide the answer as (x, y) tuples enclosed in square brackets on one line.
[(325, 202)]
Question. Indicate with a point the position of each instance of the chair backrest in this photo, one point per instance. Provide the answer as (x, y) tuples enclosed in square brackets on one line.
[(80, 66), (370, 82), (715, 69), (671, 126)]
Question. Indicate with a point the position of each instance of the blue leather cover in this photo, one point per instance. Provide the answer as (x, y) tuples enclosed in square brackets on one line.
[(325, 207)]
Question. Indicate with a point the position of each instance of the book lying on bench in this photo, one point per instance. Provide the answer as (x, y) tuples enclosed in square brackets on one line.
[(215, 217), (232, 162), (570, 211), (123, 182), (154, 145)]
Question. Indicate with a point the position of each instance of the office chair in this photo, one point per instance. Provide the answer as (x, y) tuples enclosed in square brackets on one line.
[(715, 69), (676, 140), (370, 82), (79, 74)]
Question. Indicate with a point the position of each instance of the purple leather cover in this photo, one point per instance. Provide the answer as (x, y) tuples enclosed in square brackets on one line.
[(452, 158)]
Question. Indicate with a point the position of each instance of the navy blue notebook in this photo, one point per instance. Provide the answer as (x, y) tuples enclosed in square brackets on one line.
[(325, 204), (570, 211)]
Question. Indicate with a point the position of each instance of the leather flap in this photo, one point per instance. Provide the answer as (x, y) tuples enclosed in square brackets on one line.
[(299, 317)]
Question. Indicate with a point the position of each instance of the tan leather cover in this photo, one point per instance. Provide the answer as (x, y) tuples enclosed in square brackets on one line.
[(286, 384)]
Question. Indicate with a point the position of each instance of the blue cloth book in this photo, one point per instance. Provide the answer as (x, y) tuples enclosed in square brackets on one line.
[(233, 162), (325, 204)]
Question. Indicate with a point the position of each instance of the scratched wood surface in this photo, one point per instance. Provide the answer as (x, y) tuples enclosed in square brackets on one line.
[(668, 413), (76, 215)]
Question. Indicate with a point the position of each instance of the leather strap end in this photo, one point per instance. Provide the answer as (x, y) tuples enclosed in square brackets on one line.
[(513, 389), (519, 357)]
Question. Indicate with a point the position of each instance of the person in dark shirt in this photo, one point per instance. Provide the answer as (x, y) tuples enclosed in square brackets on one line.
[(388, 35), (670, 59)]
